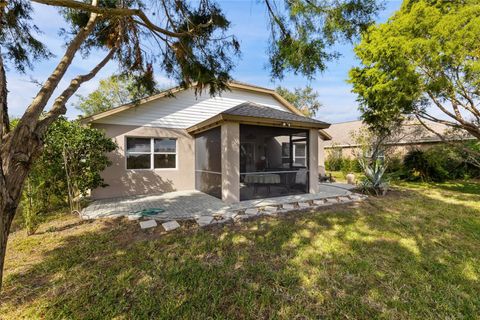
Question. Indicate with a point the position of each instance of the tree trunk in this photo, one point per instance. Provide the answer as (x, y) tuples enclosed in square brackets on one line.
[(7, 212)]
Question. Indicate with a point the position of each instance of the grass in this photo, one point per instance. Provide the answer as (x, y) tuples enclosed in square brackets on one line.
[(412, 254), (340, 176)]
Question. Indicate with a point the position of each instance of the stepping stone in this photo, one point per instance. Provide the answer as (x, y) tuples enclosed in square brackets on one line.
[(242, 217), (132, 217), (222, 221), (231, 214), (270, 209), (148, 224), (319, 202), (357, 197), (303, 205), (251, 211), (344, 199), (170, 225), (288, 206), (204, 220), (331, 200)]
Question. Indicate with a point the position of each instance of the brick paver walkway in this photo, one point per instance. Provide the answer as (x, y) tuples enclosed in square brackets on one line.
[(181, 205)]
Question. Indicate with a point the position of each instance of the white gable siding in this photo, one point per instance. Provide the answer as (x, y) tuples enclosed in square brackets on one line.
[(185, 110)]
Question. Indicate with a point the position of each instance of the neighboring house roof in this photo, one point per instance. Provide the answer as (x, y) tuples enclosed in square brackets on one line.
[(172, 91), (249, 112), (412, 132)]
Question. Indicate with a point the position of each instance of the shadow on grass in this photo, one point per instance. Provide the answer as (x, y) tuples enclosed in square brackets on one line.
[(403, 256), (465, 187)]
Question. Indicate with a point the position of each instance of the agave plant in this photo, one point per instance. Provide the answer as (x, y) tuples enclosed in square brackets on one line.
[(374, 177)]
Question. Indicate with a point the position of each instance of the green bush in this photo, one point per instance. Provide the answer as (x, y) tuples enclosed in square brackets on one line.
[(70, 164), (350, 165), (420, 166), (438, 164), (346, 165)]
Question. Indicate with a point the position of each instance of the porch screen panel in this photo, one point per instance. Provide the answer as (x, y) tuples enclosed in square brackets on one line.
[(273, 161), (208, 162)]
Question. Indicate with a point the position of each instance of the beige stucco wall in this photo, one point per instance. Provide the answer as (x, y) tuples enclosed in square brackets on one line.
[(321, 155), (123, 182), (313, 161), (398, 151), (230, 162)]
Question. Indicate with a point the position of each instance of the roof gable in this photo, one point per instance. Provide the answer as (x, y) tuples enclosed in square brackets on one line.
[(181, 108)]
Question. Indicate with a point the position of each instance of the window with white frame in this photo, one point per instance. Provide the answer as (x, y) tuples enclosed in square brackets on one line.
[(151, 153), (299, 154)]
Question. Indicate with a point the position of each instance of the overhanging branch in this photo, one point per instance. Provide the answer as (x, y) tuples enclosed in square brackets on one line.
[(58, 107), (122, 12)]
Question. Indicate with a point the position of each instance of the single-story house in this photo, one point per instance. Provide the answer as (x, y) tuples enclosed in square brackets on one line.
[(246, 143), (413, 135)]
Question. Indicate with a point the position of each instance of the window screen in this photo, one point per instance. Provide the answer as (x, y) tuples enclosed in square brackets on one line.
[(151, 153)]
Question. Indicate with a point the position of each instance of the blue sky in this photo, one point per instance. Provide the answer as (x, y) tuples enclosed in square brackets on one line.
[(249, 24)]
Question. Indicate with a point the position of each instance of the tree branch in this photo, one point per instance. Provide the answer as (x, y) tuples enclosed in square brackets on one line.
[(4, 120), (34, 110), (58, 107), (121, 12), (473, 155), (276, 18), (465, 94)]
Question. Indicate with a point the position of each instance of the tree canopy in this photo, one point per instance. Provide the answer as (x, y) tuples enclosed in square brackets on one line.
[(304, 99), (111, 92), (425, 62), (303, 32)]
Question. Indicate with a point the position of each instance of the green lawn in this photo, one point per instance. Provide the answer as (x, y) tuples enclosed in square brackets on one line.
[(412, 254), (339, 176)]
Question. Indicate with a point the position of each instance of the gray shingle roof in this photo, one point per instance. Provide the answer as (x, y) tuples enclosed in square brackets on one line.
[(250, 109)]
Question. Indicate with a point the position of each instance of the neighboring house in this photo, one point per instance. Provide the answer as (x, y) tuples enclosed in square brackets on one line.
[(246, 143), (412, 135)]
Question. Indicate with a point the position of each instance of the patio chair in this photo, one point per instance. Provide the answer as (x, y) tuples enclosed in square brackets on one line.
[(327, 177)]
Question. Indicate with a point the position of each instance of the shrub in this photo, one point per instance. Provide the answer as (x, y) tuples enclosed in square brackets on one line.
[(335, 162), (350, 166), (70, 164), (394, 164), (419, 167), (439, 163)]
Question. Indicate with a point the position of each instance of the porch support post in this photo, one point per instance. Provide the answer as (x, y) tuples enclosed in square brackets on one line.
[(230, 162), (313, 161)]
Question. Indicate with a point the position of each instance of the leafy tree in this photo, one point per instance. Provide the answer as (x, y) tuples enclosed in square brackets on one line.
[(303, 32), (111, 92), (189, 41), (304, 99), (70, 164), (423, 62)]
